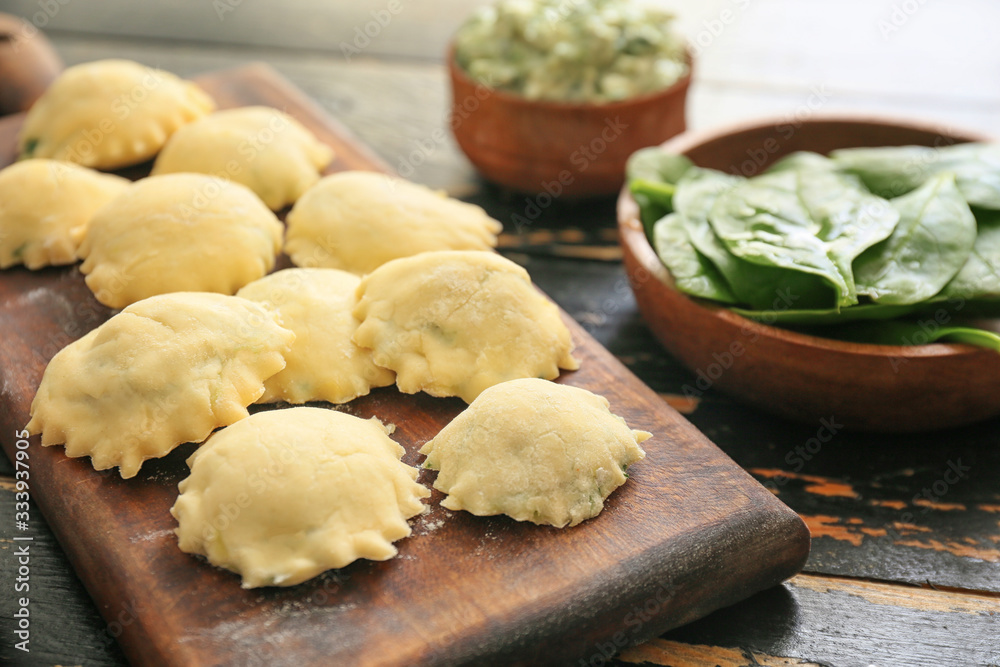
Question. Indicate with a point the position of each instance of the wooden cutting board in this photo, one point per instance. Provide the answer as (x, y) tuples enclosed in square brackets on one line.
[(688, 533)]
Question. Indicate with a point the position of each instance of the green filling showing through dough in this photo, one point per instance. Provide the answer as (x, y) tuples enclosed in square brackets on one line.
[(30, 145)]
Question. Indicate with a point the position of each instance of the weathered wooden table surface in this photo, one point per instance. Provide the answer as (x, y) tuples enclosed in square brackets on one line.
[(905, 563)]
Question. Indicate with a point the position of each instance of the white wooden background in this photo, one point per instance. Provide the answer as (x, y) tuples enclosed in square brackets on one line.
[(934, 59)]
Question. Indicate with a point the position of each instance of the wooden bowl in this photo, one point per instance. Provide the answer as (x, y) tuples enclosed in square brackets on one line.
[(28, 64), (562, 149), (807, 378)]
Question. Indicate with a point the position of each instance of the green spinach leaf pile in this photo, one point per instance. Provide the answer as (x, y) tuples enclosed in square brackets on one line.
[(864, 244)]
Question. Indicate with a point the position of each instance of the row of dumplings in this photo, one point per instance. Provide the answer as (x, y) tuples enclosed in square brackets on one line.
[(203, 220), (284, 495), (193, 232), (398, 285), (173, 368), (111, 114)]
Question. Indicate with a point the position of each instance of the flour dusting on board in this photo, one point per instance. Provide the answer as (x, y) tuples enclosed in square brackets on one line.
[(9, 388), (431, 522), (45, 297), (154, 536), (270, 622), (485, 549)]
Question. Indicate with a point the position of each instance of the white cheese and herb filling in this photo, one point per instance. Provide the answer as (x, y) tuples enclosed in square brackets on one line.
[(572, 50)]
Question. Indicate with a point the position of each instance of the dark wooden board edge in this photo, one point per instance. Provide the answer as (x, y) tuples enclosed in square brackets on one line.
[(786, 529)]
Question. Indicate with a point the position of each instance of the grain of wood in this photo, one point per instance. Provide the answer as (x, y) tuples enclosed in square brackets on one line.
[(822, 486), (677, 654), (682, 404), (822, 525), (941, 507), (853, 531), (595, 253), (896, 527), (568, 243), (957, 548), (891, 504), (598, 253), (906, 597), (854, 622)]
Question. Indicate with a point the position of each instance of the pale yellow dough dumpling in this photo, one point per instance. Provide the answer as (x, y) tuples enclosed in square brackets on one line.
[(164, 371), (534, 450), (453, 323), (45, 207), (324, 364), (109, 114), (316, 489), (359, 220), (262, 148), (178, 233)]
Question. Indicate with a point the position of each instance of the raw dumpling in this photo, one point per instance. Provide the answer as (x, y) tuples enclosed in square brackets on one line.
[(164, 371), (533, 450), (453, 323), (44, 210), (109, 114), (317, 489), (359, 220), (262, 148), (178, 233), (324, 364)]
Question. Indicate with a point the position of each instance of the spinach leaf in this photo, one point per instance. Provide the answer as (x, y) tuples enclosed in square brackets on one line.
[(763, 221), (977, 172), (656, 166), (693, 274), (814, 221), (698, 189), (762, 287), (651, 174), (905, 332), (829, 316), (929, 246), (896, 170), (851, 219), (803, 160), (888, 171), (654, 200), (969, 336), (979, 277)]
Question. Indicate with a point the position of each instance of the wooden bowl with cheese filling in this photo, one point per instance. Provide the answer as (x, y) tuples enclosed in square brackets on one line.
[(560, 149)]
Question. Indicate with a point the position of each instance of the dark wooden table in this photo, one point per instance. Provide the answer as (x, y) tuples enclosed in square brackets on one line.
[(905, 563)]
